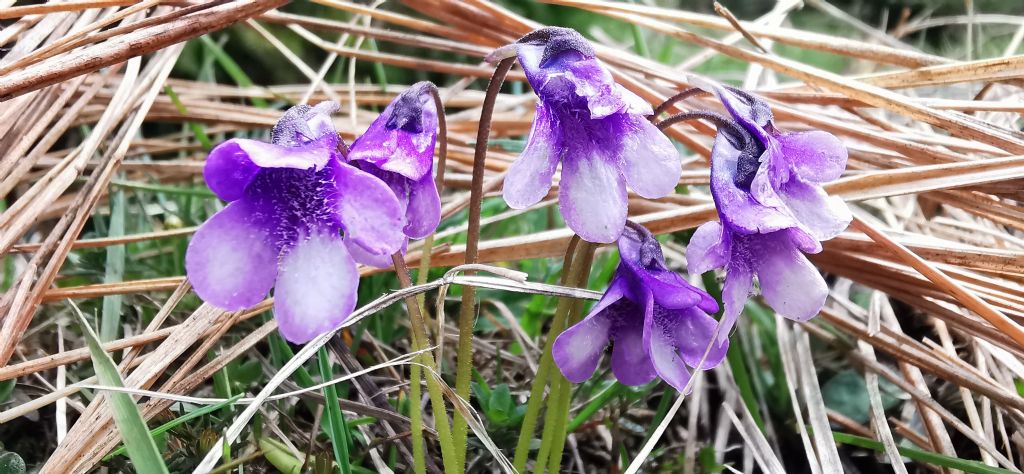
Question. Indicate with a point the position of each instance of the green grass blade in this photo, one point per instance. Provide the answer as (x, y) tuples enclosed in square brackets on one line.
[(973, 467), (197, 129), (137, 440), (159, 430), (231, 67), (110, 323), (338, 430)]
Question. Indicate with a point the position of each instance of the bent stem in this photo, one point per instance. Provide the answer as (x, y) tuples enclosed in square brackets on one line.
[(419, 341), (464, 355)]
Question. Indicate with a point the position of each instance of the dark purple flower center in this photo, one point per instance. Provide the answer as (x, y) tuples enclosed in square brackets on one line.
[(302, 201), (407, 114), (557, 41)]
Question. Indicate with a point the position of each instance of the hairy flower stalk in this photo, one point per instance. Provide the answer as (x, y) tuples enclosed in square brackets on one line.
[(296, 218), (658, 324), (772, 209), (594, 128)]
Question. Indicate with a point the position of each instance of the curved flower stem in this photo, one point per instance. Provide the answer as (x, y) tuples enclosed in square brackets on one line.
[(415, 371), (686, 94), (557, 415), (734, 130), (464, 360), (419, 341)]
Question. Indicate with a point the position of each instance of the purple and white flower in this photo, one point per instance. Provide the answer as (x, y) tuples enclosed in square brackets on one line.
[(657, 322), (398, 148), (293, 207), (595, 128), (772, 209)]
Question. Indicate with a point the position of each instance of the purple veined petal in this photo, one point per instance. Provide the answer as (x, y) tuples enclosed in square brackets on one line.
[(771, 175), (594, 83), (316, 288), (592, 196), (650, 163), (529, 178), (739, 281), (693, 333), (423, 213), (630, 362), (398, 150), (790, 284), (707, 250), (363, 257), (815, 155), (231, 260), (823, 216), (232, 165), (664, 354), (369, 211), (578, 350), (736, 208)]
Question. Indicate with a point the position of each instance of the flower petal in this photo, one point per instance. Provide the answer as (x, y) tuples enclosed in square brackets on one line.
[(578, 350), (362, 256), (630, 362), (423, 213), (316, 288), (821, 215), (529, 178), (739, 281), (650, 163), (790, 284), (707, 250), (232, 165), (395, 144), (736, 207), (693, 333), (231, 260), (663, 352), (815, 155), (592, 196), (369, 211)]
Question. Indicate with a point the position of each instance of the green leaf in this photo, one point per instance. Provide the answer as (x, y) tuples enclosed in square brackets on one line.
[(6, 389), (110, 323), (277, 454), (338, 429), (231, 67), (164, 428), (141, 448), (11, 463)]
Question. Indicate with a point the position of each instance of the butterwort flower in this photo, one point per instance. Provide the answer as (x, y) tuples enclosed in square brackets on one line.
[(292, 205), (398, 148), (657, 323), (595, 128), (772, 209)]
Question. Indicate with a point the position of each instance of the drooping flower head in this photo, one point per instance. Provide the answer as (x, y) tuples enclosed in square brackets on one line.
[(595, 128), (772, 209), (293, 205), (398, 148), (658, 323)]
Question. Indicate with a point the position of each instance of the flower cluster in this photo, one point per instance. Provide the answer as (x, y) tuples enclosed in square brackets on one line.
[(658, 323), (301, 215), (767, 187), (595, 128)]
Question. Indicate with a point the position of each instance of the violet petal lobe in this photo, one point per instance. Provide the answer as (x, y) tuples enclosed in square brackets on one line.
[(815, 155), (361, 256), (232, 259), (650, 163), (631, 363), (316, 288), (707, 249), (693, 332), (790, 284), (529, 178), (821, 215), (736, 207), (578, 349), (402, 138), (592, 196), (369, 211), (663, 351), (739, 281), (232, 165), (423, 212)]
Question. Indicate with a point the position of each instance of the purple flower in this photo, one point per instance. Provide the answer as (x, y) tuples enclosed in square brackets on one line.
[(595, 128), (289, 203), (658, 323), (767, 187), (398, 148)]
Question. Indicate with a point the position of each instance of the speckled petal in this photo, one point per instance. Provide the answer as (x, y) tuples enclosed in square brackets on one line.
[(815, 155), (529, 178), (316, 289), (592, 196), (664, 354), (231, 260), (232, 165), (650, 163), (369, 211), (789, 282)]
